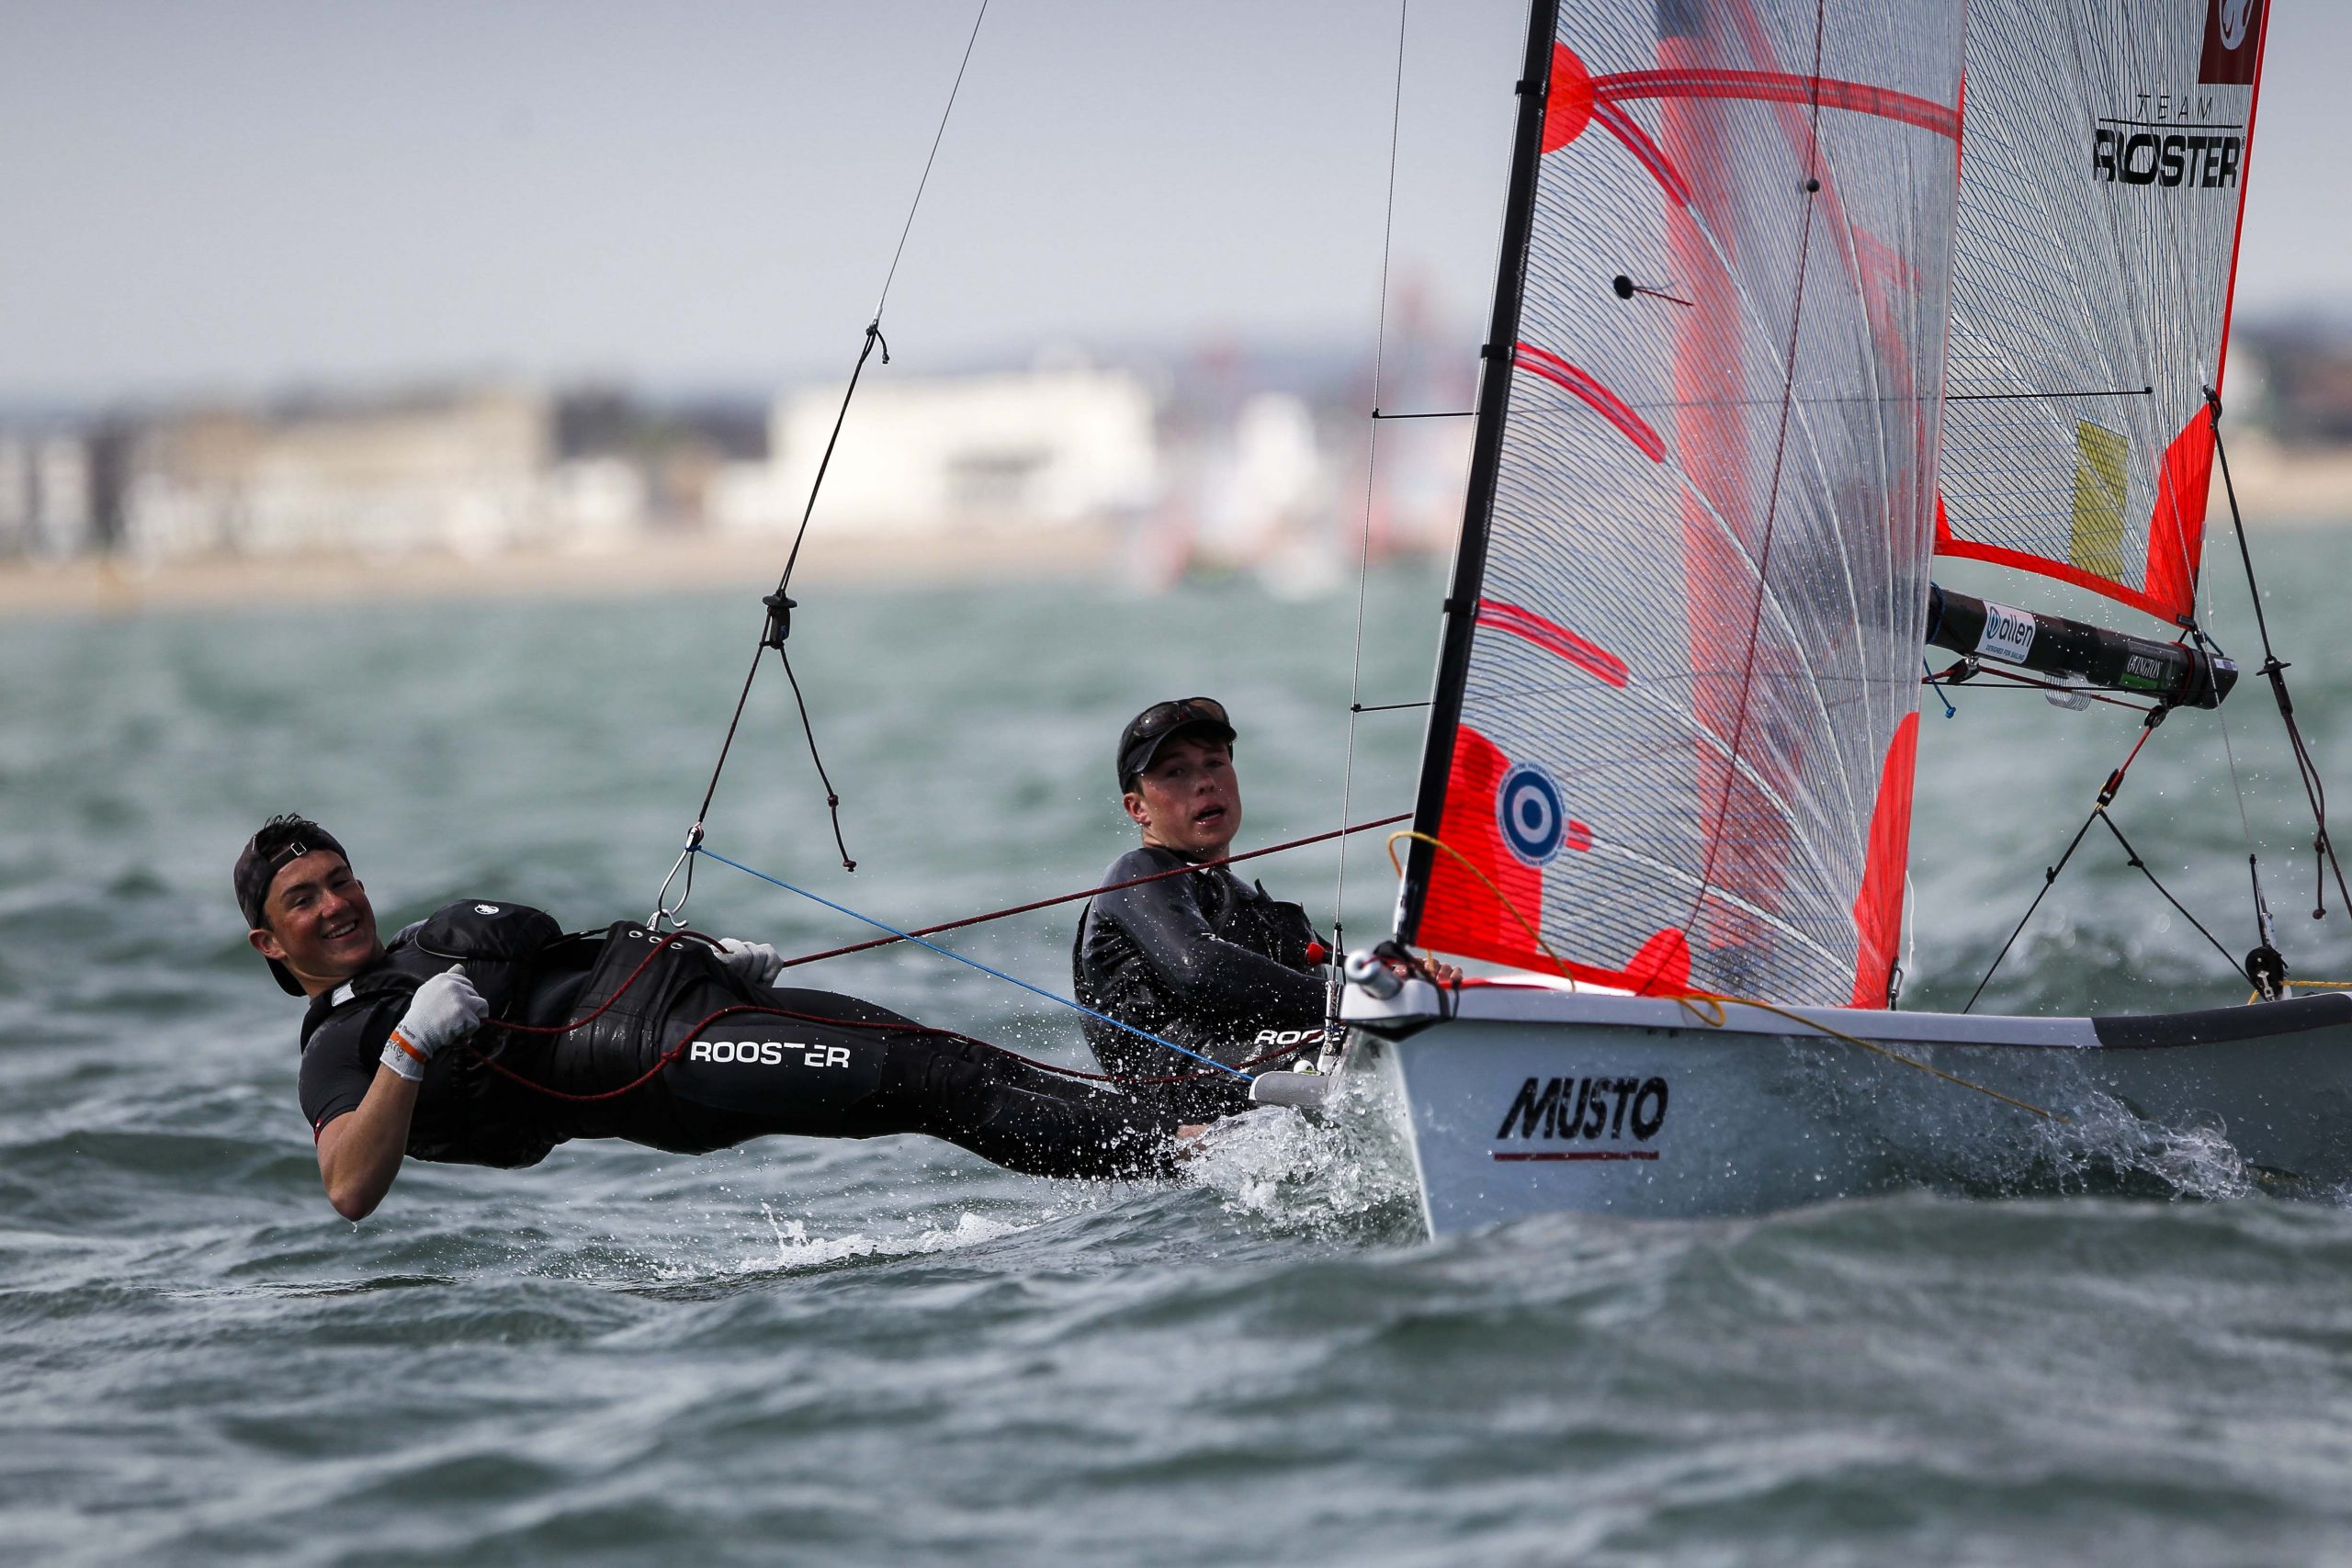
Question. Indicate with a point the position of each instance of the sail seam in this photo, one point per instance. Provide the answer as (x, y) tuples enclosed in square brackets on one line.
[(1772, 500)]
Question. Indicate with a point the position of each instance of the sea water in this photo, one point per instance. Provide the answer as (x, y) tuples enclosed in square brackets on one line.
[(889, 1353)]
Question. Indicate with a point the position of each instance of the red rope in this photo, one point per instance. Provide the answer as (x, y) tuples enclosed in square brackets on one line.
[(740, 1010), (1092, 892), (671, 1054), (656, 950), (1985, 671)]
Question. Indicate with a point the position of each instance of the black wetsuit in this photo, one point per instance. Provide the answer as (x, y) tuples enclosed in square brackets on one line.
[(1208, 961), (813, 1064)]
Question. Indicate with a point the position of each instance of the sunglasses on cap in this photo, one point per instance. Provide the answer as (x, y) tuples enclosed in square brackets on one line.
[(1139, 743), (1161, 717)]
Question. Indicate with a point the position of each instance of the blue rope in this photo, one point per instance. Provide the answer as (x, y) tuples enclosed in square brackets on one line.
[(944, 953), (1936, 686)]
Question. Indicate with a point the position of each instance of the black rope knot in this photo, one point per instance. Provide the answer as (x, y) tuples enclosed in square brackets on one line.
[(779, 623)]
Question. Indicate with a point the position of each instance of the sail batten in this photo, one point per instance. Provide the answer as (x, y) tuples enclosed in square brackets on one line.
[(2103, 182), (1670, 728)]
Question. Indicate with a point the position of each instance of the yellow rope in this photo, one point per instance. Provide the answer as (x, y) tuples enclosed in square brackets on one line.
[(1466, 864), (1892, 1056), (1715, 1000)]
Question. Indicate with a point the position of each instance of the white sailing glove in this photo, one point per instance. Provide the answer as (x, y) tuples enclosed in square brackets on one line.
[(755, 962), (446, 1008)]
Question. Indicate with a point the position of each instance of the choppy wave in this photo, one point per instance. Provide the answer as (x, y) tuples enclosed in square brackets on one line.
[(889, 1353)]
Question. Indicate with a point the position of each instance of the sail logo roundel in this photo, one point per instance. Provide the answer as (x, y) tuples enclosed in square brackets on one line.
[(2236, 14), (1527, 805)]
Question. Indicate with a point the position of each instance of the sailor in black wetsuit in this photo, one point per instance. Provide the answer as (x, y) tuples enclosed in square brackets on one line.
[(1205, 959), (463, 1040)]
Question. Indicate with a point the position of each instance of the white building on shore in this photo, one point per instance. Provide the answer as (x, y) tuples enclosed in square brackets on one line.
[(47, 507), (1066, 466), (463, 472), (1047, 450)]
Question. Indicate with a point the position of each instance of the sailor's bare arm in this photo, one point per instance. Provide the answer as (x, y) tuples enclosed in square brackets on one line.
[(359, 1153)]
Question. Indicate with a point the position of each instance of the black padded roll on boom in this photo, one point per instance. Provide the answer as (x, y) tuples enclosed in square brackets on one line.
[(2171, 673)]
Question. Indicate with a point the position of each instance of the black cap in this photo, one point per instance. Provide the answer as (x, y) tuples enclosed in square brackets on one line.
[(281, 841), (1153, 727)]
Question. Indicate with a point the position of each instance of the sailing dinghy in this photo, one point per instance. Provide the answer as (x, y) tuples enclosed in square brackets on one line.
[(1752, 276)]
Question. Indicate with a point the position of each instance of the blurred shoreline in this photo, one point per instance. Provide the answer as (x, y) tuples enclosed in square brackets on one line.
[(101, 585), (2312, 500)]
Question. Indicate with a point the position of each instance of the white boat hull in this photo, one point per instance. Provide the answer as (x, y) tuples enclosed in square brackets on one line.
[(1527, 1100)]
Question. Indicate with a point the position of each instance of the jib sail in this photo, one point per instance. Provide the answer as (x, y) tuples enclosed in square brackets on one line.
[(1676, 697), (2102, 175)]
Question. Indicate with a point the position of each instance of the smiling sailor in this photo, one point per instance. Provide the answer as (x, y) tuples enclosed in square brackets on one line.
[(483, 1035)]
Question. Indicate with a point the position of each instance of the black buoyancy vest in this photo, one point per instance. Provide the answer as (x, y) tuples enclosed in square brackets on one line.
[(1114, 976), (641, 999), (466, 1113)]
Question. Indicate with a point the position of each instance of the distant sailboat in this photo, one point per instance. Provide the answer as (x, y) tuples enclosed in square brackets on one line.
[(1752, 275)]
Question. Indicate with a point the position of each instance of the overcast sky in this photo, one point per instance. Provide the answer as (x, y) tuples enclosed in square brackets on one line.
[(238, 196)]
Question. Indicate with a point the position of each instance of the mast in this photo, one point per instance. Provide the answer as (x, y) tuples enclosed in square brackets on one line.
[(1486, 460)]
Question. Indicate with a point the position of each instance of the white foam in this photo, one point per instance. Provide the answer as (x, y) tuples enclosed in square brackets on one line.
[(1322, 1173), (2195, 1161), (796, 1249)]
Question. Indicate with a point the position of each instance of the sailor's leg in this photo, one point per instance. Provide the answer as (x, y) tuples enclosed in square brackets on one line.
[(830, 1073), (1019, 1116)]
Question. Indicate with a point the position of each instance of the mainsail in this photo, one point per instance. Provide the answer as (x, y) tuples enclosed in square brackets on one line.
[(1676, 700), (2101, 179)]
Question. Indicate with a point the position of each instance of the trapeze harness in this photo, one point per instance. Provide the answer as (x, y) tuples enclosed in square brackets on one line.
[(1209, 961), (626, 1034)]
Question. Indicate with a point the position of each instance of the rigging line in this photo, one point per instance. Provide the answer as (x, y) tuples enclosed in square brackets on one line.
[(2049, 880), (2245, 823), (1363, 548), (1411, 836), (1942, 696), (2107, 795), (1090, 892), (873, 335), (681, 934), (1385, 707), (2132, 858), (1932, 1071), (935, 138), (2013, 397), (975, 963), (2274, 670), (2036, 687), (741, 1010), (779, 605), (1441, 413), (833, 798), (2027, 683), (2114, 785), (778, 626), (2195, 630)]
